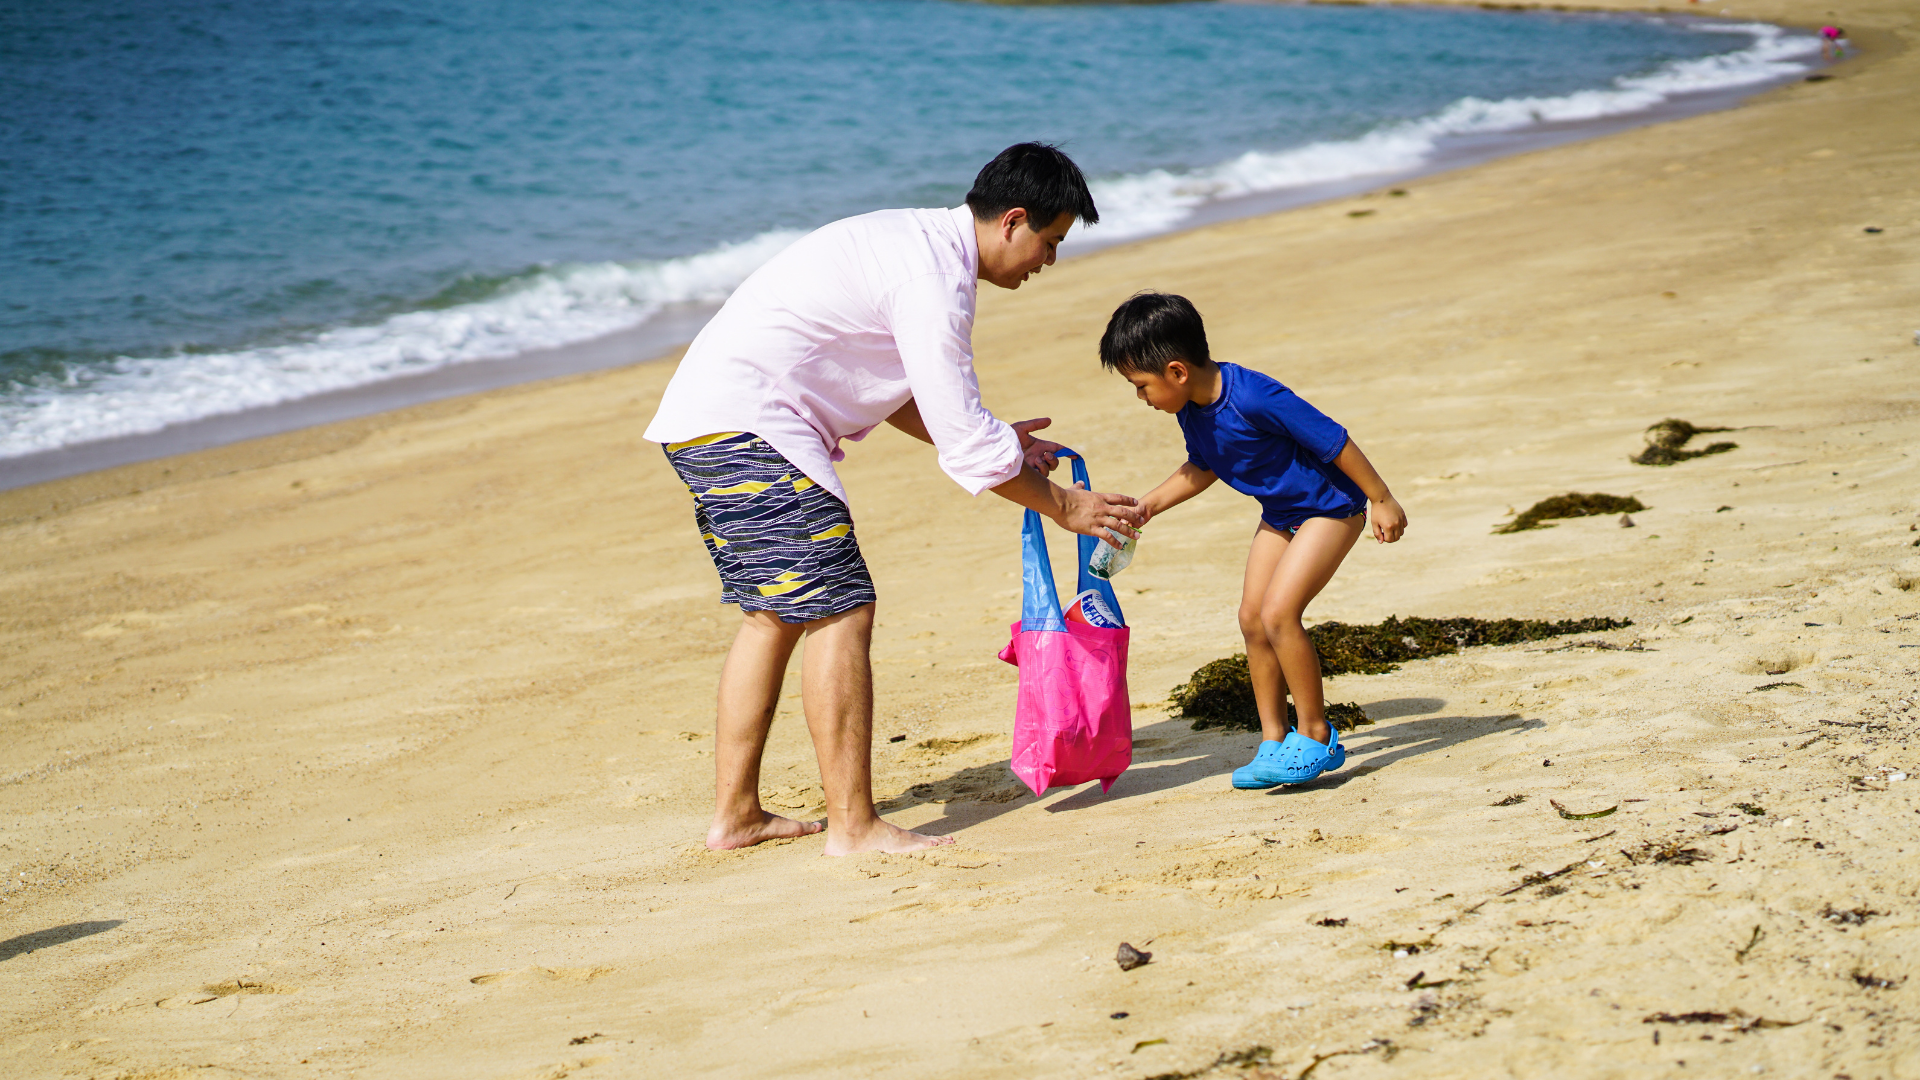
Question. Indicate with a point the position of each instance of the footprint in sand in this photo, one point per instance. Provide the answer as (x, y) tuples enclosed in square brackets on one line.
[(216, 991), (555, 974), (792, 797), (1777, 662), (1244, 869)]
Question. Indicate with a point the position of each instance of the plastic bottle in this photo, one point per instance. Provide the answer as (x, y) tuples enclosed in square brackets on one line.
[(1091, 609), (1108, 560)]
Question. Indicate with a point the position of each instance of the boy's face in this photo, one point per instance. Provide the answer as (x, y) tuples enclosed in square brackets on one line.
[(1170, 391)]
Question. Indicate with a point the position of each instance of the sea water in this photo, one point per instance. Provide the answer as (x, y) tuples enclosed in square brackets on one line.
[(212, 207)]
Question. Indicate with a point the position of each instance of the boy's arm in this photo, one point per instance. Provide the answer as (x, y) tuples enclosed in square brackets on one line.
[(1389, 520), (1187, 481)]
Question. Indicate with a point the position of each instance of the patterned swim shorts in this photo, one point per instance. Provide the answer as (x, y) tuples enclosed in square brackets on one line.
[(781, 542)]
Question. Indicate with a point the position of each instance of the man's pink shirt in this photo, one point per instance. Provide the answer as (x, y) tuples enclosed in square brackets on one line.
[(834, 335)]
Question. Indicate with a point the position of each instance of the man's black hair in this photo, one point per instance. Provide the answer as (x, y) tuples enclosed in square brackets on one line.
[(1150, 331), (1034, 177)]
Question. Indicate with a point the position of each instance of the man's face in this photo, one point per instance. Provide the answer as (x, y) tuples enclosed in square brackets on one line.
[(1012, 252)]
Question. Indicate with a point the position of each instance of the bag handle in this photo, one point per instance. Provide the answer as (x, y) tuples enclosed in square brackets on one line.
[(1039, 597)]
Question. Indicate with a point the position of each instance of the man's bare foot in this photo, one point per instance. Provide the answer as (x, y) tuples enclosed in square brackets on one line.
[(880, 836), (727, 835)]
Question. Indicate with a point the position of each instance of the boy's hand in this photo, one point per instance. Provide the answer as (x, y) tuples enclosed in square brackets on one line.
[(1040, 453), (1389, 520), (1095, 513)]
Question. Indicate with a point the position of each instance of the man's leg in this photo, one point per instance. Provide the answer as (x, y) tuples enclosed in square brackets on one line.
[(749, 693), (836, 686), (1308, 564)]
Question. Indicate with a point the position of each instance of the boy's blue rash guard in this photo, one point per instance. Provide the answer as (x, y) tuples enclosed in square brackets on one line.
[(1265, 441)]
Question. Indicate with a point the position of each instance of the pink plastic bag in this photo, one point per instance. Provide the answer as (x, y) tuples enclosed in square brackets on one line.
[(1072, 722)]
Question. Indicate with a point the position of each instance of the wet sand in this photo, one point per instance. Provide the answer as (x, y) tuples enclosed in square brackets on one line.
[(384, 749)]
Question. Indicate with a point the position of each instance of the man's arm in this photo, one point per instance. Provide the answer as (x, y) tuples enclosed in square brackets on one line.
[(907, 419), (1039, 453), (1075, 509)]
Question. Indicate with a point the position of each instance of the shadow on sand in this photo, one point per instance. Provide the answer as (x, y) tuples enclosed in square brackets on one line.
[(1169, 754), (59, 935)]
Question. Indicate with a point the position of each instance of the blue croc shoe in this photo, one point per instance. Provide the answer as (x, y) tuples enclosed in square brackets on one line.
[(1302, 760), (1259, 772)]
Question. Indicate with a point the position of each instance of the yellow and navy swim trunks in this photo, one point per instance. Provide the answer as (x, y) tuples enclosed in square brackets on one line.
[(781, 542)]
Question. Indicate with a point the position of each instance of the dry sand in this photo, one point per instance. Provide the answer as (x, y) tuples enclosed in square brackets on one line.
[(385, 749)]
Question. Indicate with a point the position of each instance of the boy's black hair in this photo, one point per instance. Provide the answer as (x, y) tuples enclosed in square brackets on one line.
[(1034, 177), (1150, 331)]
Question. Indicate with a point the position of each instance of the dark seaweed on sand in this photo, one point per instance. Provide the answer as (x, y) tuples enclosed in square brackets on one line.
[(1571, 505), (1220, 693), (1665, 439)]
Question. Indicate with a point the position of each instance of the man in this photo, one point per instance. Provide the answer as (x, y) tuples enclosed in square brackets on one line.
[(868, 319)]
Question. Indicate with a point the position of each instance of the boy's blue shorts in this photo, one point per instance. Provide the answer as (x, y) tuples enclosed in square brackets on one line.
[(781, 542)]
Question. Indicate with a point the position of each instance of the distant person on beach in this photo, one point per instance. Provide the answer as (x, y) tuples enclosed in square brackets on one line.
[(1833, 43), (1313, 485), (866, 320)]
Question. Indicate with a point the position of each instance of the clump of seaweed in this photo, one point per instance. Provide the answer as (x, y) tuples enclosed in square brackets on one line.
[(1375, 649), (1571, 816), (1732, 1020), (1675, 852), (1248, 1058), (1665, 439), (1571, 505), (1848, 917), (1220, 693)]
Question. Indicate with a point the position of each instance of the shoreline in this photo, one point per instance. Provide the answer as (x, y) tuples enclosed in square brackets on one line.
[(661, 336)]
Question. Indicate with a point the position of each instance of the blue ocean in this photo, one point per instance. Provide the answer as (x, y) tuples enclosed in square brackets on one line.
[(213, 207)]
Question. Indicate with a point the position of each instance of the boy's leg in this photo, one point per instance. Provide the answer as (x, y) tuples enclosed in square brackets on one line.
[(749, 693), (1303, 570), (1263, 664), (836, 687)]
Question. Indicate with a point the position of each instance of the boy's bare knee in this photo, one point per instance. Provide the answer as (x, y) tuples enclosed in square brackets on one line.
[(1282, 626)]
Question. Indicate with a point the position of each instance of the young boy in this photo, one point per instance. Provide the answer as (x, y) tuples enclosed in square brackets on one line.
[(1313, 485)]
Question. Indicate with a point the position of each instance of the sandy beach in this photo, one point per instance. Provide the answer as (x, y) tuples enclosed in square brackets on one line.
[(384, 748)]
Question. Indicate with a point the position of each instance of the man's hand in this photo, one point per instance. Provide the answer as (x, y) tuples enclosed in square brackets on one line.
[(1089, 513), (1040, 453), (1097, 513)]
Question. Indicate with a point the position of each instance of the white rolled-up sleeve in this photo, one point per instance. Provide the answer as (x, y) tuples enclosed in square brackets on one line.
[(932, 327)]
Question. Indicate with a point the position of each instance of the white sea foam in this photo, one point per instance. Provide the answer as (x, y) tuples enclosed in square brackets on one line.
[(1140, 205), (555, 307), (565, 305)]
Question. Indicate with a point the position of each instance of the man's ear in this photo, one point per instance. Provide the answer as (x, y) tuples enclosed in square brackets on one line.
[(1015, 218)]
